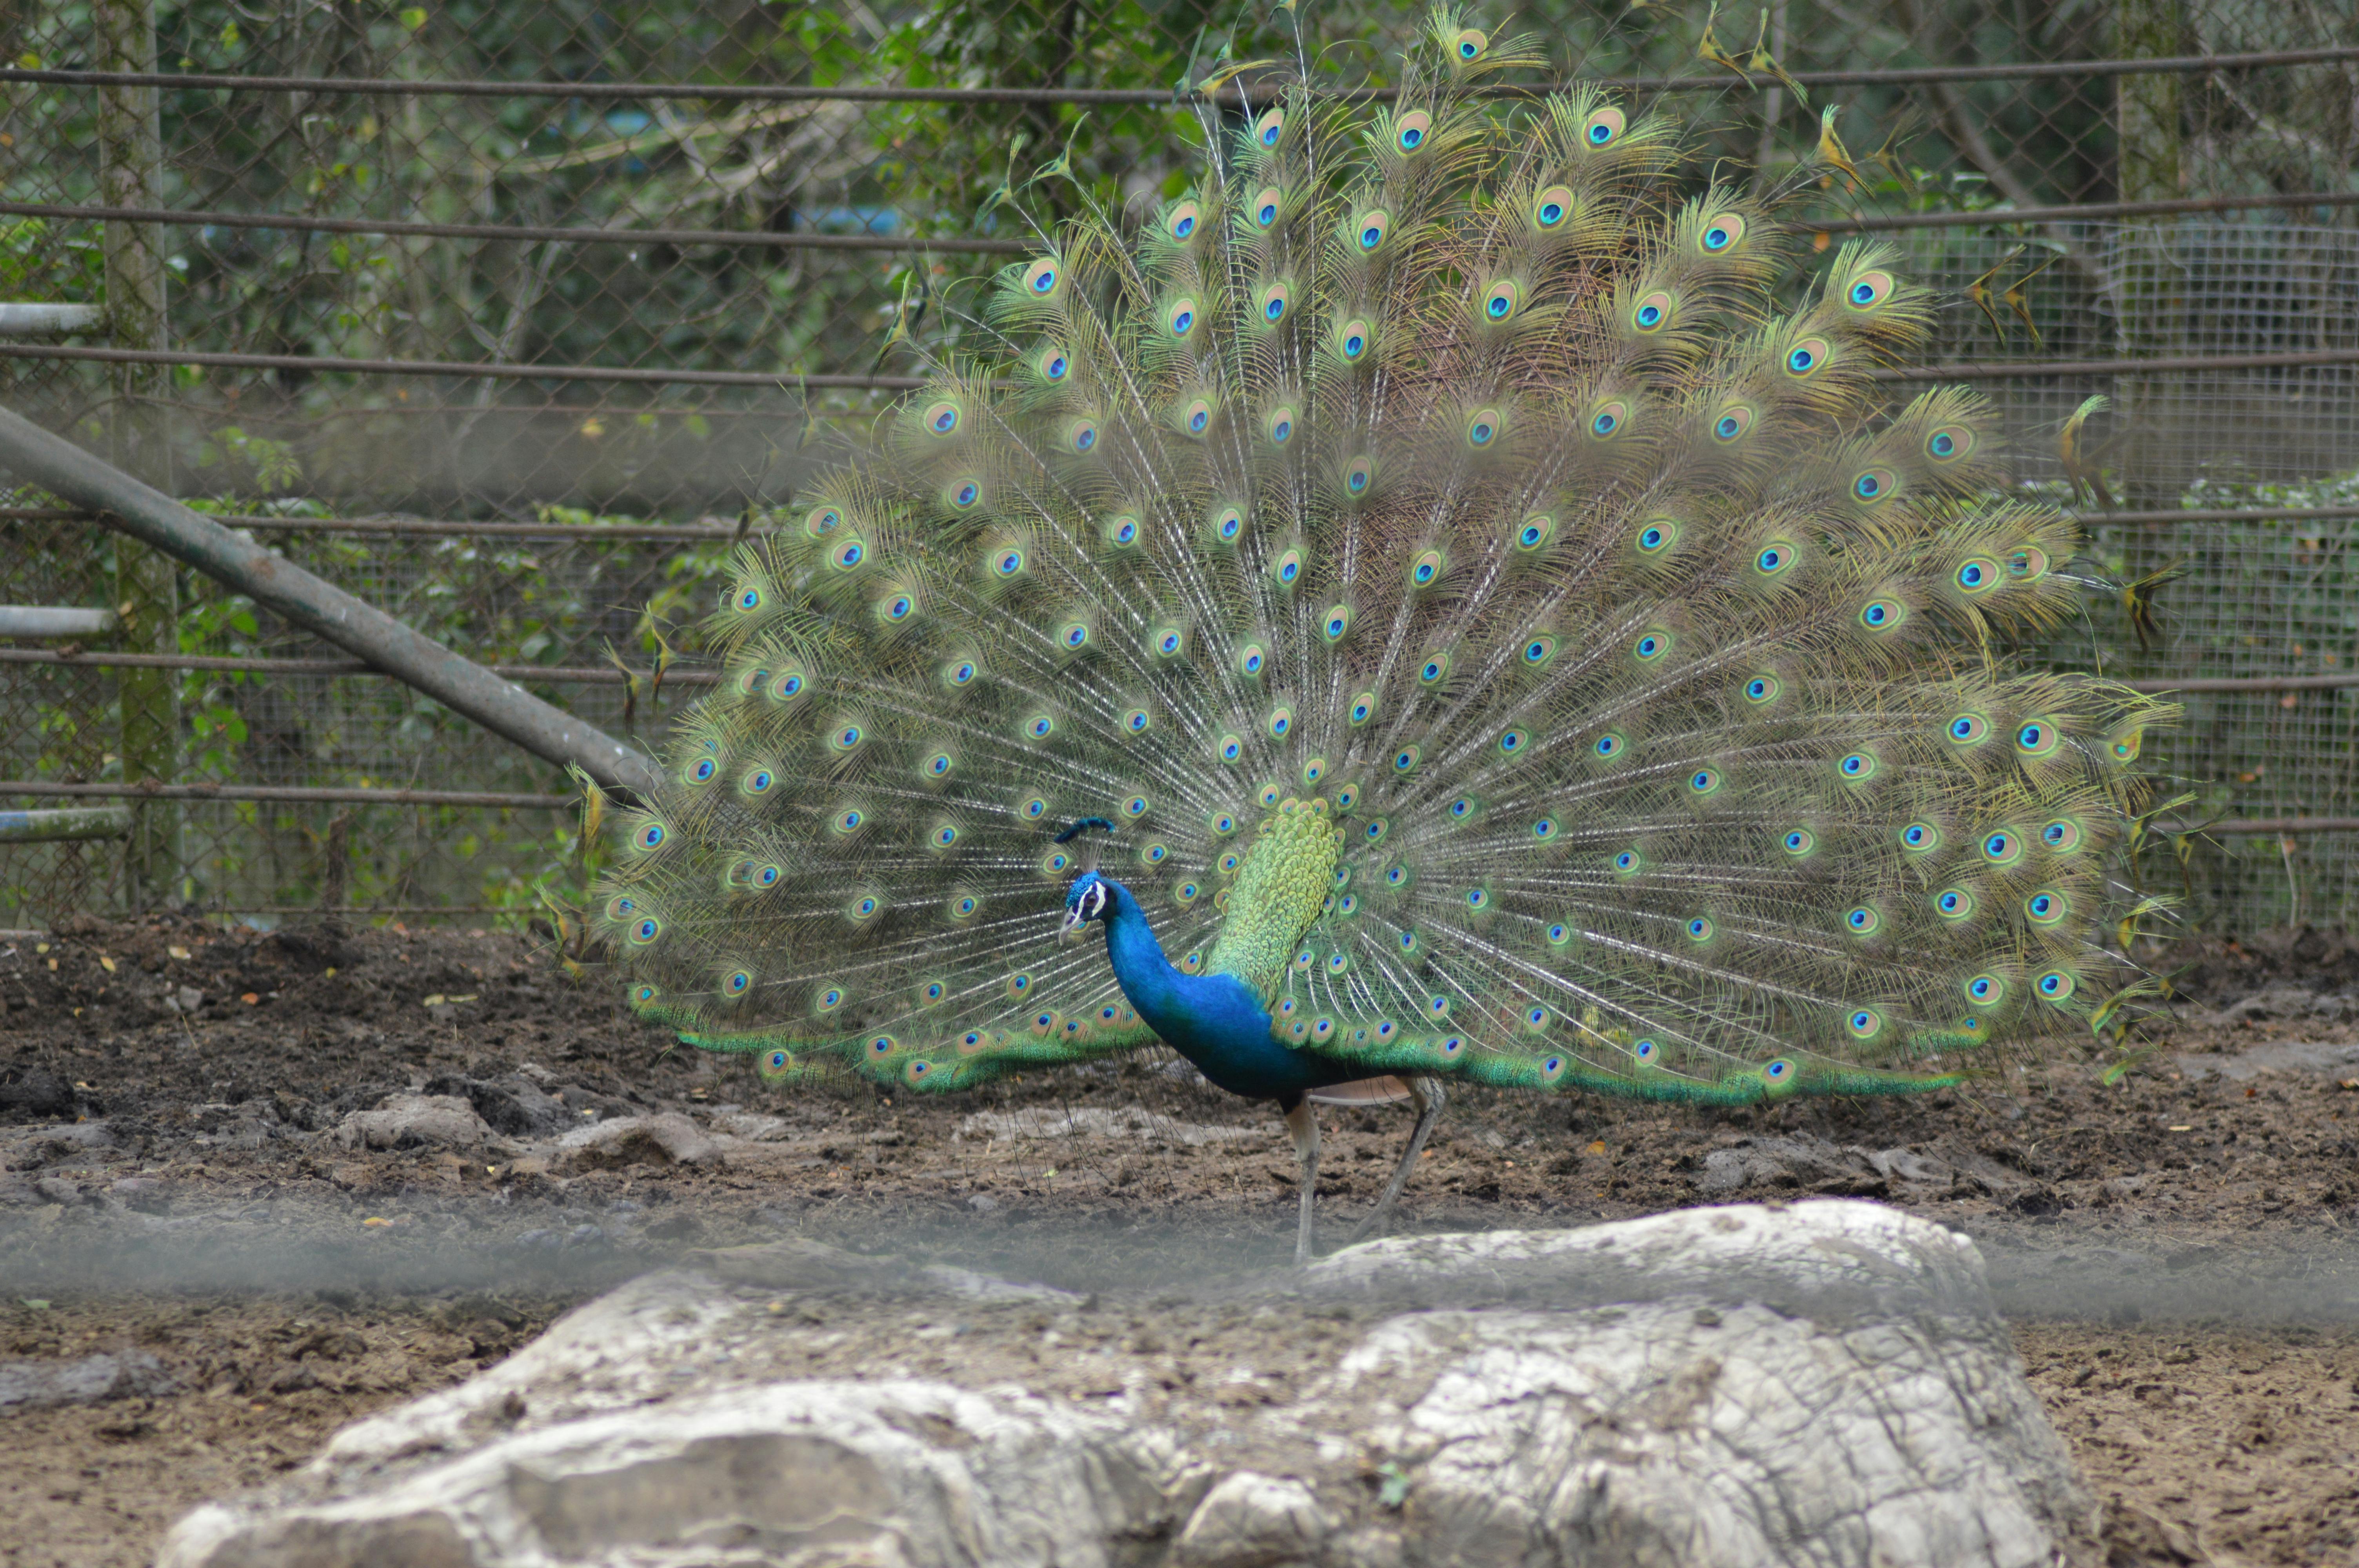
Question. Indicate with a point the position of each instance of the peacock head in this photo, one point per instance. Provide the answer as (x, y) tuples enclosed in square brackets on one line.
[(1085, 901)]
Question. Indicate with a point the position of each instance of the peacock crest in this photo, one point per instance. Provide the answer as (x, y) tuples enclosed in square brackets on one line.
[(1428, 570)]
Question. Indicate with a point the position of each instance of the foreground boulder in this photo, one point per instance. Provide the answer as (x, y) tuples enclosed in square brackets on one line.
[(1825, 1383)]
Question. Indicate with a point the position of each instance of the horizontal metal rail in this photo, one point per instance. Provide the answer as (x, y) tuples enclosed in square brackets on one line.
[(289, 794), (610, 533), (747, 92), (552, 674), (585, 234), (579, 234), (2245, 683), (22, 320), (2252, 824), (1971, 370), (327, 364), (2072, 211)]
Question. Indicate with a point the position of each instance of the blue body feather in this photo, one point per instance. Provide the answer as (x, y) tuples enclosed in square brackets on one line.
[(1214, 1021)]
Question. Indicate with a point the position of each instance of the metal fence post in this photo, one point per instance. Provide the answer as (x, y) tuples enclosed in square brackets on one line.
[(131, 156), (2147, 167)]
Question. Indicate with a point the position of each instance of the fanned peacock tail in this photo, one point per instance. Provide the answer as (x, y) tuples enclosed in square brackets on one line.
[(1479, 619)]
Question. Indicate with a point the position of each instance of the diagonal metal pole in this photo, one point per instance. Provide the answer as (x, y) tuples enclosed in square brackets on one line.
[(368, 634)]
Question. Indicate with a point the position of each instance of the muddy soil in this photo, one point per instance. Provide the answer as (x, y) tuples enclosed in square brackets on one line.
[(181, 1191)]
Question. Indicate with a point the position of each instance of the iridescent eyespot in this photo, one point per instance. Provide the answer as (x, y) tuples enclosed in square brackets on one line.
[(1534, 532), (2002, 848), (1875, 485), (1763, 689), (1482, 426), (1699, 929), (2063, 836), (1358, 476), (1374, 225), (1704, 781), (1228, 524), (1559, 934), (897, 609), (1651, 646), (1805, 357), (1652, 312), (650, 835), (2047, 907), (1857, 766), (2037, 738), (1601, 128), (1799, 841), (1122, 532), (1182, 319), (788, 685), (1552, 207), (1135, 807), (1074, 635), (1406, 760), (1477, 898), (758, 782), (1169, 643), (1731, 425), (1267, 129), (1862, 920), (1266, 205), (848, 555), (849, 821), (748, 599), (1432, 670), (1609, 417), (644, 994), (1955, 905), (1868, 290), (1501, 301), (1882, 614), (1511, 740), (1231, 748), (1540, 651), (1544, 829), (1053, 363), (1968, 728), (1864, 1023), (960, 672), (2056, 985), (1920, 837), (1425, 569), (1041, 277), (647, 929), (1136, 721), (1197, 416), (942, 418), (1949, 443), (1280, 723), (737, 982), (945, 836), (1629, 862), (1775, 556), (1040, 727), (1986, 989), (1977, 573), (1338, 622), (1034, 810), (1658, 537), (1411, 129), (1082, 436), (1184, 219), (703, 771), (1723, 231), (1609, 745), (1362, 708), (938, 765), (768, 876), (1469, 44), (821, 519), (2028, 564)]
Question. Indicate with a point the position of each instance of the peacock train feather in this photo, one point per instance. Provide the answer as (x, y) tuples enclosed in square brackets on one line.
[(1423, 587)]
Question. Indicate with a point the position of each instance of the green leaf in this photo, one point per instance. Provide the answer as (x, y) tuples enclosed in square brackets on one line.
[(412, 16)]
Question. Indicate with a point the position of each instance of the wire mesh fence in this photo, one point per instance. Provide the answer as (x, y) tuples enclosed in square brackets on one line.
[(577, 294)]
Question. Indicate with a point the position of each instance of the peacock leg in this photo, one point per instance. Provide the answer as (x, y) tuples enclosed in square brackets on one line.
[(1302, 1122), (1430, 1100)]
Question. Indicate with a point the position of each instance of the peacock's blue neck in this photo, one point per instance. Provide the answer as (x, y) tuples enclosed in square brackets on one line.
[(1214, 1021)]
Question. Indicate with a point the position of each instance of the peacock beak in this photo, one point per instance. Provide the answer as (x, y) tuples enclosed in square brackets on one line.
[(1074, 920)]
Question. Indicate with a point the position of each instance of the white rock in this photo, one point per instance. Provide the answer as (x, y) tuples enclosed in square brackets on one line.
[(1824, 1384)]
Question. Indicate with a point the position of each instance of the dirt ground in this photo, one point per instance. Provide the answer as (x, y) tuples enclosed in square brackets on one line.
[(2180, 1251)]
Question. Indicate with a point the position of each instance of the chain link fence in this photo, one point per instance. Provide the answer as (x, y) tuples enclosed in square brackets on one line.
[(511, 318)]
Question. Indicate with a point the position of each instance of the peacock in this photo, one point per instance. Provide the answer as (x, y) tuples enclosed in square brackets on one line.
[(1446, 603)]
